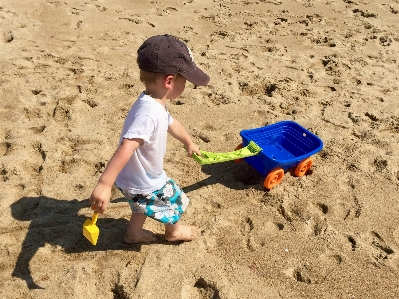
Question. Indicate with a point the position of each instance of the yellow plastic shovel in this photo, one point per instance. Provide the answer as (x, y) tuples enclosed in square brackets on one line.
[(90, 229)]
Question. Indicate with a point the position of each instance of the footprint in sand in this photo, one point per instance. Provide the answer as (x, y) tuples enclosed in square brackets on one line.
[(364, 13), (8, 37), (5, 148), (202, 289), (374, 245), (390, 8), (380, 250), (315, 272), (62, 110), (41, 155), (4, 173), (206, 289), (246, 230)]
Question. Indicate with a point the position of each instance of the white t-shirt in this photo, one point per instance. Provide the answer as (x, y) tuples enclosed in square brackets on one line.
[(149, 121)]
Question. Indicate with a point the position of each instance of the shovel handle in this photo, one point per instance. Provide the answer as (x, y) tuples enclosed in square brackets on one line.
[(94, 218)]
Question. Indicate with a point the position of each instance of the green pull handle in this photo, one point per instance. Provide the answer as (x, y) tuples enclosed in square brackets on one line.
[(251, 149)]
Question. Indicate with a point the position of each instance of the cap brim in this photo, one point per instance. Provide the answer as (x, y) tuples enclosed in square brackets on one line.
[(196, 76)]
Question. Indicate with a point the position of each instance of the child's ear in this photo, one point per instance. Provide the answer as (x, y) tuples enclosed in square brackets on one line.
[(168, 81)]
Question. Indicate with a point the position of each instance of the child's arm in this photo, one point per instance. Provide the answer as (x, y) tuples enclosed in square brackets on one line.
[(177, 131), (101, 195)]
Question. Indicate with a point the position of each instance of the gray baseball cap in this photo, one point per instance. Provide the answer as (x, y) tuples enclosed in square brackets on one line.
[(166, 54)]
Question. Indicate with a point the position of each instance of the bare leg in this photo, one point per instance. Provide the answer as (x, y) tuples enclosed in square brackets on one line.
[(177, 232), (135, 232)]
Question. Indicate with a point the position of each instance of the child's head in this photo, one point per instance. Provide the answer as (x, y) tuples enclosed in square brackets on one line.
[(149, 78), (167, 55)]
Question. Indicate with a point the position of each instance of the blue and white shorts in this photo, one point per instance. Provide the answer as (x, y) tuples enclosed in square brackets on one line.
[(165, 205)]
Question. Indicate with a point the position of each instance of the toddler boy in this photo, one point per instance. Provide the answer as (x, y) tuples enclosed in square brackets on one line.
[(136, 167)]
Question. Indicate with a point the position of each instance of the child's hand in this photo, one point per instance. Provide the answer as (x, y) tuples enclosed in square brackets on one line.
[(192, 148), (100, 198)]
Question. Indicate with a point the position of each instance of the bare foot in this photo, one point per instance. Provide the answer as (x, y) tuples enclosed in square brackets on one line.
[(139, 237), (180, 232)]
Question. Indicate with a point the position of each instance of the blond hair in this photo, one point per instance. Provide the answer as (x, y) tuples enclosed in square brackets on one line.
[(149, 78)]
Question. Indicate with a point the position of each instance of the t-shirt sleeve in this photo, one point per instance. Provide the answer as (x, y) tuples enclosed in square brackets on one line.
[(142, 126), (170, 119)]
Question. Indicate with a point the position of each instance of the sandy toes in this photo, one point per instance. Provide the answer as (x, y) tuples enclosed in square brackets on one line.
[(181, 233), (139, 237)]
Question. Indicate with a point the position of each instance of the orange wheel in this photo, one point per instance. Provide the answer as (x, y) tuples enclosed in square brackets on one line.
[(273, 178), (236, 149), (303, 167)]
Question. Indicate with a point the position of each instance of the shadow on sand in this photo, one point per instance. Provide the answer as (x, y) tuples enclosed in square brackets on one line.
[(237, 176), (57, 222)]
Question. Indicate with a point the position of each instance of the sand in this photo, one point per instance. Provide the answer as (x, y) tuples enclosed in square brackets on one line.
[(68, 78)]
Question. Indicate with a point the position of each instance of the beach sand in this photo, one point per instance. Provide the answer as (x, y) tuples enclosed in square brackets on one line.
[(68, 78)]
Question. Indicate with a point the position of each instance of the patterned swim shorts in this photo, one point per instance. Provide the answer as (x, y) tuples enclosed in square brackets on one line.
[(165, 205)]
